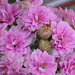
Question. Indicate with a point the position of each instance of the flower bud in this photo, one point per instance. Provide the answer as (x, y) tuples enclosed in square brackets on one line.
[(44, 32), (44, 45)]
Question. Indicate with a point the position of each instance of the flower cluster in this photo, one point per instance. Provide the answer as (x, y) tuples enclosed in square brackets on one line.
[(36, 39)]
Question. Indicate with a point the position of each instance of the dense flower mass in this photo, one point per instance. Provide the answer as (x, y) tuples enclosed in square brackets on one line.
[(36, 39)]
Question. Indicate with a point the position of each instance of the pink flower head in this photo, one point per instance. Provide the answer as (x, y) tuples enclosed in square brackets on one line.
[(11, 64), (41, 63), (68, 65), (6, 15), (17, 41), (32, 19), (3, 2), (63, 38)]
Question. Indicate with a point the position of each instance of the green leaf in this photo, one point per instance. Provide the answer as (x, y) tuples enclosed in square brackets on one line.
[(11, 1)]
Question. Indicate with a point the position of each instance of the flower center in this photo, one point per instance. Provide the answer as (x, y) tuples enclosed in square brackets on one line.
[(61, 37), (42, 66), (14, 45), (37, 18)]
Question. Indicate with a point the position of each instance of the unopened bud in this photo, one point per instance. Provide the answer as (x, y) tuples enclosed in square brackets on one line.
[(44, 32), (44, 45)]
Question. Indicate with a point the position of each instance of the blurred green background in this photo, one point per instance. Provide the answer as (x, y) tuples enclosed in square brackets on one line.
[(12, 1)]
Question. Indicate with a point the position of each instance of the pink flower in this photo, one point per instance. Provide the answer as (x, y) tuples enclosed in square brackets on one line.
[(63, 38), (3, 2), (68, 65), (41, 63), (11, 64), (17, 41), (6, 15), (32, 19)]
